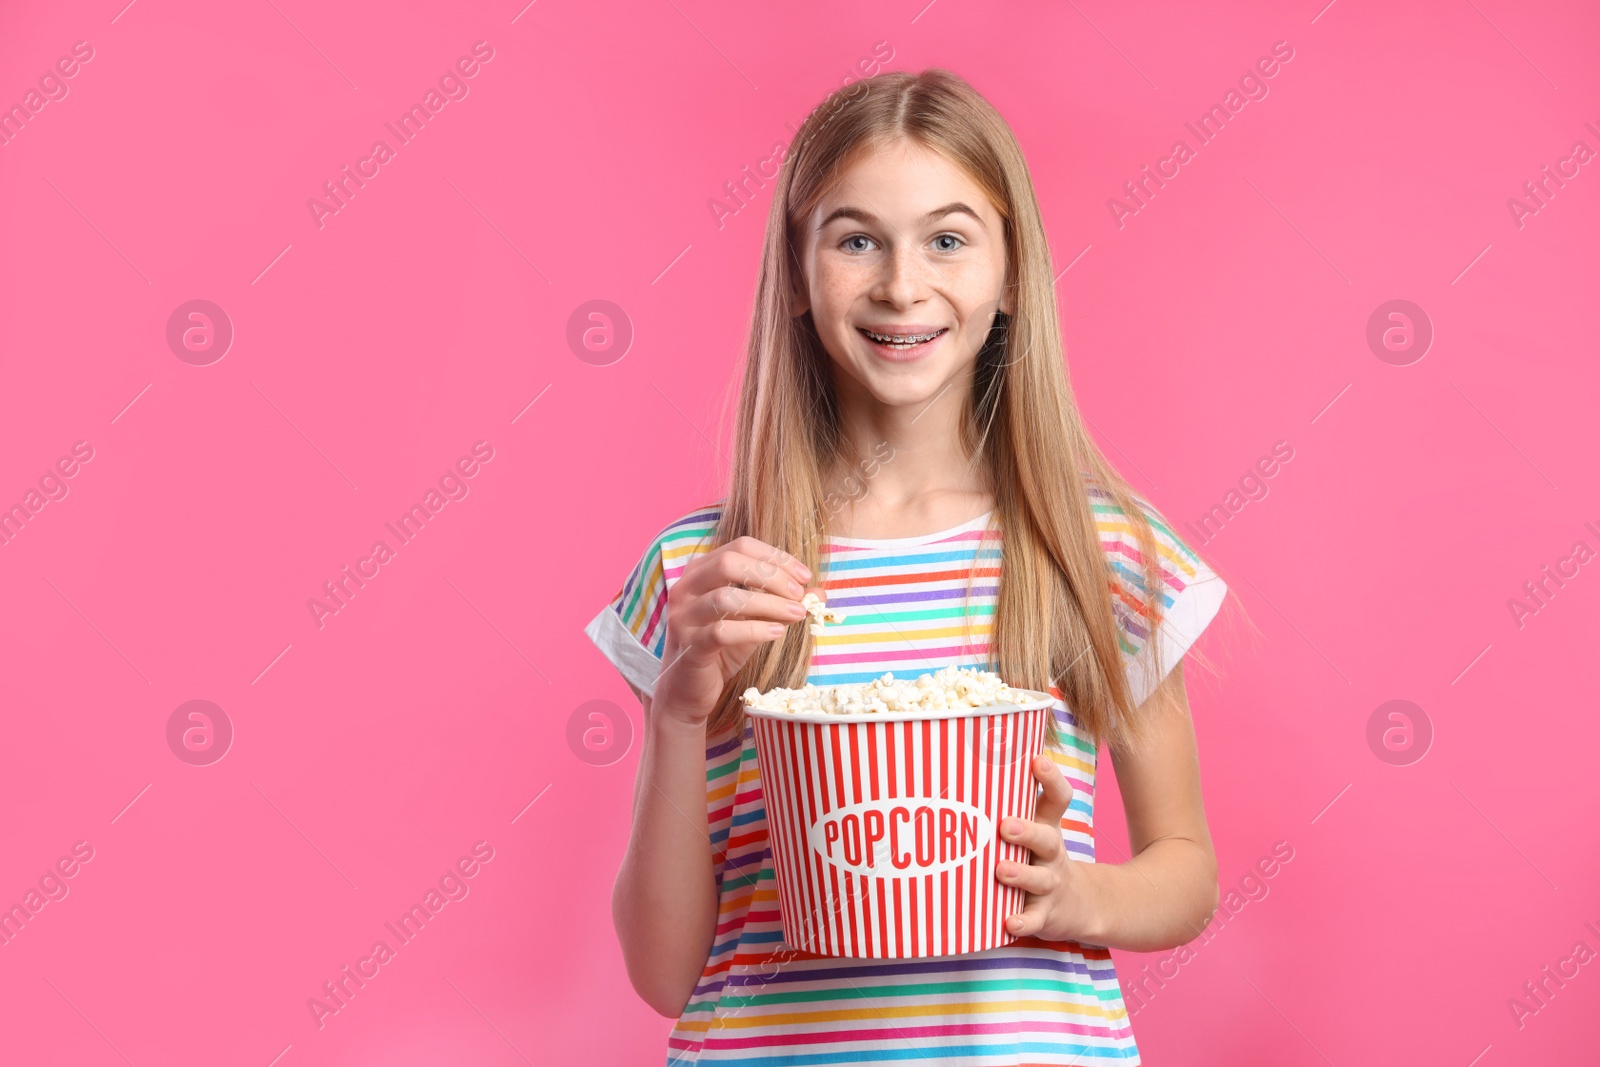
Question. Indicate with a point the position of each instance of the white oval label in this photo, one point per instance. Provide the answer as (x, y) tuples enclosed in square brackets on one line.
[(901, 838)]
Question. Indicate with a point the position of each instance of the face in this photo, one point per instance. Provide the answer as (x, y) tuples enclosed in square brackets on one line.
[(906, 246)]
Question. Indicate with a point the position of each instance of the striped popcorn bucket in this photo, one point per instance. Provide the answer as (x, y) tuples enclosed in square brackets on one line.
[(885, 828)]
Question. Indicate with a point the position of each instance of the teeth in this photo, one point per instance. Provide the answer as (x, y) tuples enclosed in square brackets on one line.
[(904, 340)]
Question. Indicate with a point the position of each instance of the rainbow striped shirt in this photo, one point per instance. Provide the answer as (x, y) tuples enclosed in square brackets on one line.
[(760, 1003)]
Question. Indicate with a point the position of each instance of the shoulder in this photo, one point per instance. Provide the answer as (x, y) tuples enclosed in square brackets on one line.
[(641, 602), (1179, 565), (684, 538), (1187, 593), (631, 629)]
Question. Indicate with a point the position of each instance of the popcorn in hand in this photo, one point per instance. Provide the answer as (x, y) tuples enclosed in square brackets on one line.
[(948, 689), (820, 612)]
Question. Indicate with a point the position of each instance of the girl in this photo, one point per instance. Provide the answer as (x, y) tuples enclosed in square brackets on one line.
[(905, 375)]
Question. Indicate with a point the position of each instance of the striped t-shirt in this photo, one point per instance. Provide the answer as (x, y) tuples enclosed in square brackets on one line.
[(761, 1003)]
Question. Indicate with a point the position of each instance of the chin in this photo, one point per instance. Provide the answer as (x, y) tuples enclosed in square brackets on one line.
[(914, 392), (902, 385)]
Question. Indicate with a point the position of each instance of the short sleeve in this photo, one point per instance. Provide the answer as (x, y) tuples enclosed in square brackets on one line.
[(631, 631), (1190, 595)]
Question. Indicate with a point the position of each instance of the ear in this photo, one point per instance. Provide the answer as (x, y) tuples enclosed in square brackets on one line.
[(799, 298), (799, 295), (1008, 287)]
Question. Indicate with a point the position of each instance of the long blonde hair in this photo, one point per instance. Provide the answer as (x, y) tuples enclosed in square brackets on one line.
[(1054, 621)]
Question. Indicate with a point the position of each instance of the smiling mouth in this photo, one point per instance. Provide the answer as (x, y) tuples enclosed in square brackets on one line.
[(901, 341)]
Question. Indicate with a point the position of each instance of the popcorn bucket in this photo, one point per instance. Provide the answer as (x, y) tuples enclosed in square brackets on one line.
[(885, 827)]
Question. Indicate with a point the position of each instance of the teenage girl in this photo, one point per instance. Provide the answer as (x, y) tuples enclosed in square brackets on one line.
[(905, 374)]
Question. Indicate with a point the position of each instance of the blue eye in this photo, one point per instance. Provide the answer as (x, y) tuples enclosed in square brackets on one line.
[(855, 237), (952, 237)]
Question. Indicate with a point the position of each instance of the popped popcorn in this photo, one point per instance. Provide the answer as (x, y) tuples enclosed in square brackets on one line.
[(820, 613), (947, 689)]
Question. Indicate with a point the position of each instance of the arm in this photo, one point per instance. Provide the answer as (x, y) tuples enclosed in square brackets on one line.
[(1165, 895), (664, 901)]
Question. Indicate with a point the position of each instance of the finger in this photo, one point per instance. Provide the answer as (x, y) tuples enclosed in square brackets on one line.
[(1056, 791), (700, 645), (769, 561), (731, 602), (1029, 921), (732, 632), (1035, 879), (742, 561), (1043, 840), (817, 591), (732, 566)]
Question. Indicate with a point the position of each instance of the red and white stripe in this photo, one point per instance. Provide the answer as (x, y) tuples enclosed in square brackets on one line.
[(809, 769)]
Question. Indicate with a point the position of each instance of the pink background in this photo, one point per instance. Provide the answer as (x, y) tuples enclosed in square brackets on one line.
[(432, 310)]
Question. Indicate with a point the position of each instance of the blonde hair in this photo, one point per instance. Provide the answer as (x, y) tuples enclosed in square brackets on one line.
[(1054, 621)]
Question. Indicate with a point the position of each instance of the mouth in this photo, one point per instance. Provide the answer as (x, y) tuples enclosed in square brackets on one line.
[(903, 345)]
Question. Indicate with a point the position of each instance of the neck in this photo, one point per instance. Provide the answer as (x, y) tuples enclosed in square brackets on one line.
[(904, 470)]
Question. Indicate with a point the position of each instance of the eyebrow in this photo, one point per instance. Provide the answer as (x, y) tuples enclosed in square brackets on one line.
[(861, 215)]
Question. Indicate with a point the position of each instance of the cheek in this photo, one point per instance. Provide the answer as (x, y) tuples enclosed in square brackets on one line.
[(836, 295), (986, 280), (983, 281)]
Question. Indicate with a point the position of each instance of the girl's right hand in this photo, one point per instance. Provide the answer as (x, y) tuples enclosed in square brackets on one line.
[(725, 603)]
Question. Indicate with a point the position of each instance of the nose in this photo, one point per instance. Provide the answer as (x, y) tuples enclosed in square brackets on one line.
[(904, 280)]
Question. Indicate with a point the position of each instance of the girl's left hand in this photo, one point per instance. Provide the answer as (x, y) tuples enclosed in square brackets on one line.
[(1059, 907)]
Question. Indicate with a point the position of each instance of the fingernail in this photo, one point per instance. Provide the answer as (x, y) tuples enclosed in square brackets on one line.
[(795, 589), (805, 572)]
